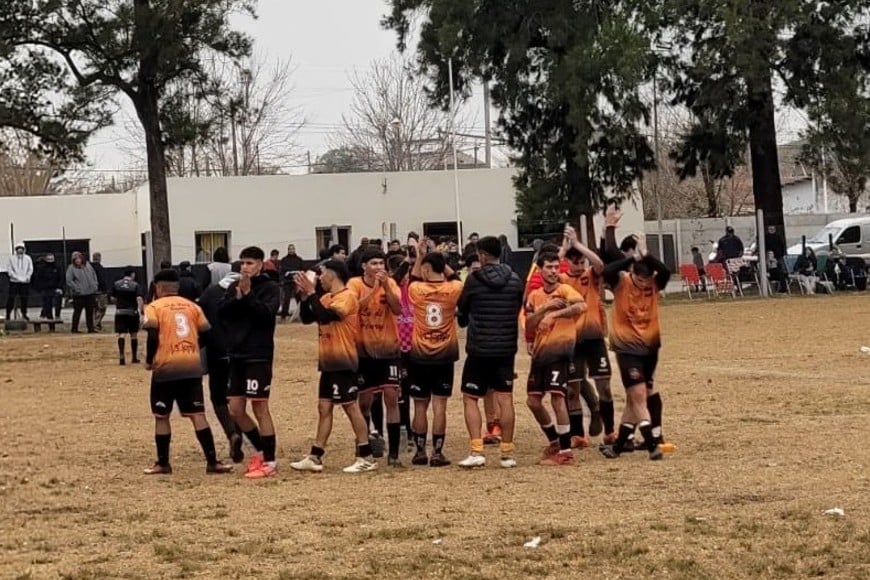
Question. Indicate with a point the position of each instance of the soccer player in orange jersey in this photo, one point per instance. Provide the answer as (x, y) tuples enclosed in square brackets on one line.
[(584, 274), (434, 293), (379, 357), (551, 314), (337, 316), (175, 327), (635, 336)]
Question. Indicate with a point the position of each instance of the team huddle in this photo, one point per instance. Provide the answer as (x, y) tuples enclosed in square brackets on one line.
[(390, 337)]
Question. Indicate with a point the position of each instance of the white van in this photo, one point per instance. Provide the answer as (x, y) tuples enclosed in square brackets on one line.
[(851, 235)]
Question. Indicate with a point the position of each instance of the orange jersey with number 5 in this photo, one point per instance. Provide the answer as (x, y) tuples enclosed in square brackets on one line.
[(178, 323), (592, 324), (635, 318), (556, 342), (434, 303)]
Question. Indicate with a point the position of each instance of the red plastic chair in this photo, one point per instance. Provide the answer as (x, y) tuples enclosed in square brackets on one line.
[(691, 278), (721, 281)]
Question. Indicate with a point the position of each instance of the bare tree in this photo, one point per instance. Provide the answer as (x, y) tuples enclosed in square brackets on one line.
[(391, 124)]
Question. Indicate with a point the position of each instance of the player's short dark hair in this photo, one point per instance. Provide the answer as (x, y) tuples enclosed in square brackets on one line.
[(335, 249), (129, 271), (413, 236), (274, 253), (252, 253), (471, 259), (236, 267), (167, 275), (372, 253), (489, 245), (645, 267), (549, 248), (394, 262), (573, 253), (436, 261), (695, 249), (164, 265), (395, 242), (545, 257), (338, 268), (473, 235), (628, 243)]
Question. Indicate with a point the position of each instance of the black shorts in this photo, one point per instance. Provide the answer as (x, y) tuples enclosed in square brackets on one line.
[(126, 323), (592, 355), (636, 368), (338, 387), (481, 375), (375, 374), (549, 378), (186, 392), (429, 381), (250, 379)]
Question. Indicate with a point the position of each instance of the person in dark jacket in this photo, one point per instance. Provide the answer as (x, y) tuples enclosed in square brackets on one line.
[(247, 314), (102, 296), (290, 264), (48, 281), (218, 360), (489, 307), (188, 287), (729, 247)]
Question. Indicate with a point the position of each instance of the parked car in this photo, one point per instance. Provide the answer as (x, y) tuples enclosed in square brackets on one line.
[(851, 235)]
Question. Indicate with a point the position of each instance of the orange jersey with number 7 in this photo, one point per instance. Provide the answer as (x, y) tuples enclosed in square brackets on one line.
[(434, 303), (178, 323), (556, 342)]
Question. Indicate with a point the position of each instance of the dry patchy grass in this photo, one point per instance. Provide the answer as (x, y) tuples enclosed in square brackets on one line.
[(768, 402)]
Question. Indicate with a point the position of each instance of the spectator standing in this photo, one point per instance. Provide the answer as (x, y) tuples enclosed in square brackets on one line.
[(188, 287), (354, 262), (48, 281), (102, 296), (81, 282), (507, 253), (729, 247), (395, 249), (289, 265), (220, 267), (698, 261), (19, 268), (806, 267), (471, 246)]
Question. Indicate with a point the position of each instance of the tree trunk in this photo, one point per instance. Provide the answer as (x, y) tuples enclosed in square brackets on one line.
[(710, 192), (853, 203), (766, 184), (148, 112)]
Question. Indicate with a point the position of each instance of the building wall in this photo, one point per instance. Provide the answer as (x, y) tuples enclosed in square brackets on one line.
[(800, 198), (107, 220)]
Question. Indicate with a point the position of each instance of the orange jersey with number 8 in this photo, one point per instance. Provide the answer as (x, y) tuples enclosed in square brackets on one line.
[(178, 323), (435, 340)]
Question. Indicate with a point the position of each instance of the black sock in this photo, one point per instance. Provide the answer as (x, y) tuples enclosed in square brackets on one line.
[(550, 433), (565, 441), (393, 435), (162, 443), (420, 442), (134, 348), (438, 443), (648, 439), (254, 437), (626, 432), (317, 452), (576, 418), (607, 416), (268, 448), (206, 441), (377, 413), (364, 450), (121, 347), (654, 405)]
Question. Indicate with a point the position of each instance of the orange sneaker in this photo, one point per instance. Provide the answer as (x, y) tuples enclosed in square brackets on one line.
[(496, 431), (578, 442), (263, 471), (550, 450), (255, 463), (610, 439), (490, 439), (558, 459)]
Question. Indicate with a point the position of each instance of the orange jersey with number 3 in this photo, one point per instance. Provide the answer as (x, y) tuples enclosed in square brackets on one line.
[(379, 336), (337, 342), (178, 323), (635, 319), (592, 324), (435, 340), (556, 342)]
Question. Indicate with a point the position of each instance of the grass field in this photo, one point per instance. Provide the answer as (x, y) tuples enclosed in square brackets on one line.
[(767, 401)]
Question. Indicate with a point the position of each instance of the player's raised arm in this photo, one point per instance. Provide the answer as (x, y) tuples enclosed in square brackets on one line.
[(312, 310)]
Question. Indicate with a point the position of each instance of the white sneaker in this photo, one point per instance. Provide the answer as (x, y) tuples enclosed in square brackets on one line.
[(473, 461), (308, 463), (508, 462), (361, 465)]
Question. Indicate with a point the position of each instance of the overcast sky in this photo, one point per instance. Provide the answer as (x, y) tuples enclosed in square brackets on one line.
[(327, 40)]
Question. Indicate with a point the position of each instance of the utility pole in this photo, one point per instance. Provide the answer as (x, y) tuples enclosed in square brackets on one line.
[(656, 175), (488, 129), (246, 82), (455, 154)]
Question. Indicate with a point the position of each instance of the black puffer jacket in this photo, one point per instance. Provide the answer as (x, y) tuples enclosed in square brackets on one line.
[(490, 306), (249, 322)]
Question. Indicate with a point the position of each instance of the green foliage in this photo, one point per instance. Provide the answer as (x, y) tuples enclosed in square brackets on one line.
[(345, 160), (566, 78)]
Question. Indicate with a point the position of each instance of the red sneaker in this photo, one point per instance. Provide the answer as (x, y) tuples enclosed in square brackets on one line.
[(255, 463), (558, 459), (550, 450), (578, 442), (610, 438), (263, 471)]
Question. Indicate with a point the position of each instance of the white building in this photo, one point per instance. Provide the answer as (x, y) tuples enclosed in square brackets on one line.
[(272, 211)]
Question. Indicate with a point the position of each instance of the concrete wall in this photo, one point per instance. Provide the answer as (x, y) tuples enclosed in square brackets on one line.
[(801, 198), (108, 221), (700, 232)]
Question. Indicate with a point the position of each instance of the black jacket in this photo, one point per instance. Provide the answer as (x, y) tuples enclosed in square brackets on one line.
[(47, 276), (102, 282), (490, 306), (248, 323), (210, 301), (188, 287), (288, 265)]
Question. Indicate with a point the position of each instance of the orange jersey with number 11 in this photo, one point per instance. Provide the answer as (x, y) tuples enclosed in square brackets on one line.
[(178, 323), (435, 340)]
